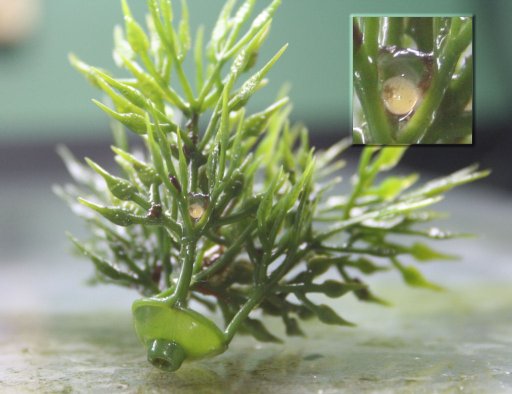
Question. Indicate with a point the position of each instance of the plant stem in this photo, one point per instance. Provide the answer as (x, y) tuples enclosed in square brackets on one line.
[(261, 291), (455, 100), (361, 180), (366, 85), (241, 315), (421, 30), (450, 129), (447, 61), (188, 256), (393, 31), (371, 36), (460, 91), (228, 255), (209, 83)]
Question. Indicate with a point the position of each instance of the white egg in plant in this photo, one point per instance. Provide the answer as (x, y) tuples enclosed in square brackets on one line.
[(400, 95)]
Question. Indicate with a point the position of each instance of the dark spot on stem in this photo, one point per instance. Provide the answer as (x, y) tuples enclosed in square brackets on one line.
[(156, 274), (175, 183), (357, 37), (427, 79), (210, 260), (155, 211)]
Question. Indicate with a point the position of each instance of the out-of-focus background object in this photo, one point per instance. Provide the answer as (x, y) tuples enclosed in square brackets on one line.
[(17, 20)]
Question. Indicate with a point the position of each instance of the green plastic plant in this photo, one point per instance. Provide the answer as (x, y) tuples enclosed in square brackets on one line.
[(430, 56), (239, 215)]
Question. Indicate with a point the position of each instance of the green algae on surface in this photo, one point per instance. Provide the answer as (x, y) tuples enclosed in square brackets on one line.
[(458, 341)]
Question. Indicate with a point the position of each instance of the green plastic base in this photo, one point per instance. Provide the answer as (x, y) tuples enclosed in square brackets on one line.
[(166, 355)]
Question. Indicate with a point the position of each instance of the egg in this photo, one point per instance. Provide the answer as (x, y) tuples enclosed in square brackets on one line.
[(400, 95), (196, 211)]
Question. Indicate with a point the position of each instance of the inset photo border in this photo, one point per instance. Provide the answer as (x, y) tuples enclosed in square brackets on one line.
[(412, 79)]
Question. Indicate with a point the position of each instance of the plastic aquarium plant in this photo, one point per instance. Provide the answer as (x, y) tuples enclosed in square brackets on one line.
[(239, 216), (413, 79)]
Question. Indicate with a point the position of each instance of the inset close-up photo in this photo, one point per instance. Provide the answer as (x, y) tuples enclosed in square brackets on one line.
[(412, 80)]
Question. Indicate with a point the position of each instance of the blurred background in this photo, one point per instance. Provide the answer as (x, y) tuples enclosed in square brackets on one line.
[(44, 101)]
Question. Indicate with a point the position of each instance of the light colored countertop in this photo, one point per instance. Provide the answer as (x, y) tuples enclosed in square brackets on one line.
[(57, 335)]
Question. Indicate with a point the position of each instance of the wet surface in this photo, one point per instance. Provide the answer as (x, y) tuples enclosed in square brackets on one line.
[(457, 341), (58, 335)]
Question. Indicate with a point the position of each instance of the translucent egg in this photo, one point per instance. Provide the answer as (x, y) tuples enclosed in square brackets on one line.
[(400, 95), (196, 211), (198, 203)]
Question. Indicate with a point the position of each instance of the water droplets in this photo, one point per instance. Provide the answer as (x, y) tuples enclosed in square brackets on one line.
[(437, 233), (442, 32)]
